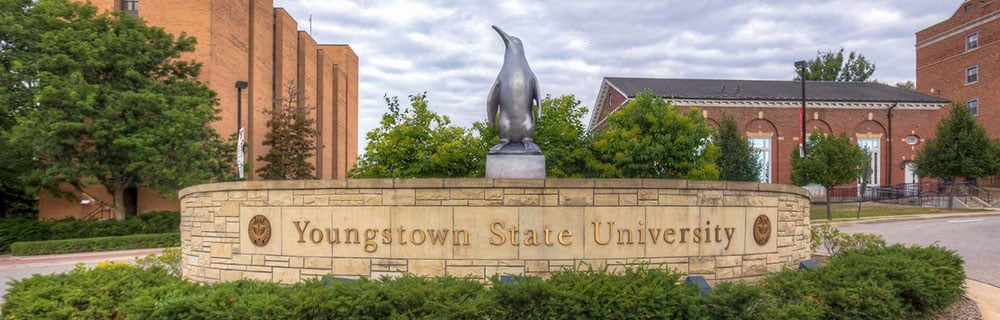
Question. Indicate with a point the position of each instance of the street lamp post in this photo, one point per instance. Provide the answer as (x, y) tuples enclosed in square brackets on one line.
[(801, 67), (240, 85)]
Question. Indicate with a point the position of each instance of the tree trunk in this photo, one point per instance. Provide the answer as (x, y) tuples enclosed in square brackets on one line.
[(829, 216), (118, 208), (951, 196)]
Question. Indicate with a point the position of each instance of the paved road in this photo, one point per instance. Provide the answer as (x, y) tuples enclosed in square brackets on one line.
[(976, 239), (20, 268)]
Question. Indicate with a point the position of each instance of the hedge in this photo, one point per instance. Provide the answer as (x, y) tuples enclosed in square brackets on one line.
[(23, 229), (893, 282), (135, 241)]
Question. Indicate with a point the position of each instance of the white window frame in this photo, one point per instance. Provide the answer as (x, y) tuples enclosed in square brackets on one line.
[(972, 41), (973, 109), (969, 72), (873, 147), (763, 147)]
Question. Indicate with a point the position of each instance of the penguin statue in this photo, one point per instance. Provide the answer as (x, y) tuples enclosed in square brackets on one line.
[(509, 106)]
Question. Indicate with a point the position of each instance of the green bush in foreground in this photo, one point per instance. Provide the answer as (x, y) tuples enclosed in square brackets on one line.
[(20, 230), (135, 241), (894, 282)]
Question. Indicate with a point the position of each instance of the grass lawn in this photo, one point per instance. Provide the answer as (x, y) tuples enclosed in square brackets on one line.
[(872, 209)]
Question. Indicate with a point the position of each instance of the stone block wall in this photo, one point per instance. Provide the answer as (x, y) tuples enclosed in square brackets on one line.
[(477, 228)]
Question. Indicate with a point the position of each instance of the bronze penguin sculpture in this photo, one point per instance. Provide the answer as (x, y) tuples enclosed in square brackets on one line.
[(510, 102)]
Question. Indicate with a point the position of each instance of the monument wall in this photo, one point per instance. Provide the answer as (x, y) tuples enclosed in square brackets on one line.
[(287, 231)]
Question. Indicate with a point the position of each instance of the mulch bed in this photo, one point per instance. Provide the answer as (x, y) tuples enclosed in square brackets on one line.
[(964, 309)]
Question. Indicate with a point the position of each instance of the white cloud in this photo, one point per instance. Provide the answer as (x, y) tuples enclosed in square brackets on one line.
[(448, 49)]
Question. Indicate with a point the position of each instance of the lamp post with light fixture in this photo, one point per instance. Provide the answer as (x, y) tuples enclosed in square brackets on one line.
[(801, 67)]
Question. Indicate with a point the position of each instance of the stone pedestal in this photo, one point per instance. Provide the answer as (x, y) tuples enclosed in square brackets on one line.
[(516, 166)]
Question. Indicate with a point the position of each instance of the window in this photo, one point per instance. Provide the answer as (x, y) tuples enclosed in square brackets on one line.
[(972, 75), (871, 146), (968, 7), (763, 148), (973, 106), (972, 41), (131, 7)]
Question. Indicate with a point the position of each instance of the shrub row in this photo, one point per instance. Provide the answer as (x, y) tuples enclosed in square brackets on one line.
[(879, 283), (135, 241), (23, 229)]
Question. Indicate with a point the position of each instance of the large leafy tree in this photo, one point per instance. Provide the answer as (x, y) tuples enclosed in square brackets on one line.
[(648, 138), (832, 66), (104, 99), (563, 138), (416, 142), (830, 161), (292, 138), (960, 148), (737, 161)]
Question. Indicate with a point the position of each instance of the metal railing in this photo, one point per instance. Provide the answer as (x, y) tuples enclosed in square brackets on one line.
[(920, 194)]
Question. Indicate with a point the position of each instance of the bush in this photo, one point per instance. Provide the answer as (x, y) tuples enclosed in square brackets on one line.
[(894, 282), (22, 229), (135, 241), (834, 240)]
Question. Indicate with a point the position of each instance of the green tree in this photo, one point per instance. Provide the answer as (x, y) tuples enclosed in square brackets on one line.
[(104, 99), (908, 85), (737, 161), (648, 138), (830, 66), (292, 138), (563, 138), (417, 143), (831, 160), (960, 148)]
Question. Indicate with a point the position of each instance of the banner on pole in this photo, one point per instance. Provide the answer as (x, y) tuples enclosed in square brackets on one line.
[(239, 154)]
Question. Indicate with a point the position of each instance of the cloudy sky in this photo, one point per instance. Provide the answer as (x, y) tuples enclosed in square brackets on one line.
[(448, 49)]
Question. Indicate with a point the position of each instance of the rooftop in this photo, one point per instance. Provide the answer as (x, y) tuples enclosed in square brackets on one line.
[(773, 90)]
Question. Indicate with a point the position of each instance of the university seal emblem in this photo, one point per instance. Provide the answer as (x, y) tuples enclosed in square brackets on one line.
[(259, 230), (762, 229)]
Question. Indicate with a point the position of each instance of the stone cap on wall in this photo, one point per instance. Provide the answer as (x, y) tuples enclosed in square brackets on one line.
[(424, 183)]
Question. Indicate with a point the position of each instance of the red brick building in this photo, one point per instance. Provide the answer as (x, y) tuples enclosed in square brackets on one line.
[(252, 41), (957, 60), (889, 122)]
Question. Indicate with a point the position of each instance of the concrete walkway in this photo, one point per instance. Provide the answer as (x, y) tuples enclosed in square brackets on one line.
[(987, 298)]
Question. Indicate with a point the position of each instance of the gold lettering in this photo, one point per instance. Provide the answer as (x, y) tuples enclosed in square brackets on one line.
[(497, 229), (513, 237), (313, 233), (334, 237), (621, 236), (347, 236), (708, 233), (642, 235), (729, 236), (684, 232), (667, 234), (717, 233), (437, 235), (566, 233), (402, 240), (531, 240), (423, 237), (697, 235), (302, 230), (386, 236), (597, 232), (654, 236), (460, 234), (370, 244), (547, 230)]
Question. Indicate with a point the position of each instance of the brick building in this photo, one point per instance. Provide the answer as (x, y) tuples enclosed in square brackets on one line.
[(252, 41), (889, 122), (957, 60)]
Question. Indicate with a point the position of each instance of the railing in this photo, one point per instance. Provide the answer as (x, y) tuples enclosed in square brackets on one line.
[(922, 194), (102, 211)]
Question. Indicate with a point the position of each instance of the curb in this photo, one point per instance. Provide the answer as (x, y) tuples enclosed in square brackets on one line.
[(986, 296), (74, 258)]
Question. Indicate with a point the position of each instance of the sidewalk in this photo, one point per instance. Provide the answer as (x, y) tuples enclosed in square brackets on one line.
[(849, 221), (987, 298), (73, 258)]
